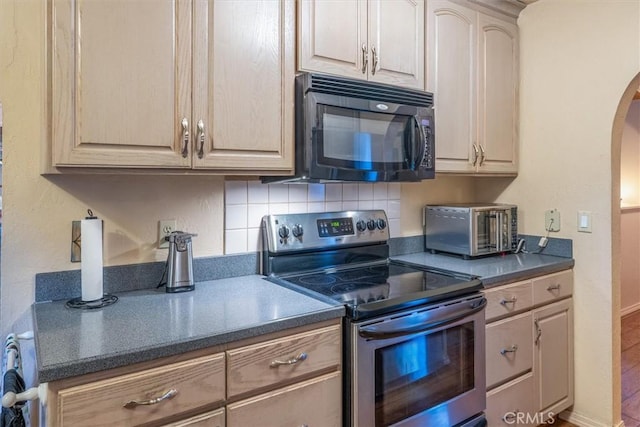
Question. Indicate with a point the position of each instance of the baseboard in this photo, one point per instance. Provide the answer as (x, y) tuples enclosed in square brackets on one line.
[(631, 309), (583, 421)]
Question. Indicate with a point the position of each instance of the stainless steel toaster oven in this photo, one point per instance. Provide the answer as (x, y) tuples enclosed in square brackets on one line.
[(471, 230)]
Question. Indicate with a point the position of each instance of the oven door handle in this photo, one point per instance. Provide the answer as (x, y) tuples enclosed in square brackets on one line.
[(420, 323)]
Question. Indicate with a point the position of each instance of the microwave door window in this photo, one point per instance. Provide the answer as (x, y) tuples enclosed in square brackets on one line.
[(362, 140)]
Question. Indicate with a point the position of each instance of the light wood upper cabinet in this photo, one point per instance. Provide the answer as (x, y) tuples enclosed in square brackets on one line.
[(244, 80), (374, 40), (497, 95), (472, 69), (121, 82), (192, 84)]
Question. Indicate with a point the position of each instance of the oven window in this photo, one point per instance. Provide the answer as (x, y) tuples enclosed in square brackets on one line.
[(363, 140), (415, 375)]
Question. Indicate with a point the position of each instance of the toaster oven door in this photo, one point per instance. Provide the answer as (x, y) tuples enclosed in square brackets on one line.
[(492, 231)]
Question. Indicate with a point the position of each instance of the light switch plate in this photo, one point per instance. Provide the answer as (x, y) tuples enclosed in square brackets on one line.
[(552, 220), (584, 221)]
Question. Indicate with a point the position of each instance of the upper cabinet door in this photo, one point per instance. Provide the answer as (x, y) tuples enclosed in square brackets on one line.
[(451, 76), (378, 40), (121, 82), (244, 66), (332, 37), (498, 94), (396, 42)]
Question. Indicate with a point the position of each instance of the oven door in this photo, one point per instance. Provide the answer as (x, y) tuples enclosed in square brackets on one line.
[(421, 367), (364, 140)]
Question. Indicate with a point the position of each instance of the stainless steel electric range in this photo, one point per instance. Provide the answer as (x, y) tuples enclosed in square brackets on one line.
[(414, 336)]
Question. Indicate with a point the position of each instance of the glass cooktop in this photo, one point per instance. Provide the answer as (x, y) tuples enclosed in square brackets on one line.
[(385, 287)]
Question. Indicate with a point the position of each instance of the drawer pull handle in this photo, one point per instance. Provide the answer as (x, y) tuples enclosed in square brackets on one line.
[(538, 331), (511, 300), (168, 395), (555, 287), (292, 361), (511, 349)]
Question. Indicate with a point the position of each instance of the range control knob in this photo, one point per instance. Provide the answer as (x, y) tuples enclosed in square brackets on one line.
[(283, 231), (371, 224), (361, 225), (297, 230), (381, 224)]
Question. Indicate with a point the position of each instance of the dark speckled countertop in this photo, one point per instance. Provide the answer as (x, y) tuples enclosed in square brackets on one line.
[(495, 270), (145, 325)]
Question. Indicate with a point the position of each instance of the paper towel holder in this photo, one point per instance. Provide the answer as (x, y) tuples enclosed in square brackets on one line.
[(76, 252)]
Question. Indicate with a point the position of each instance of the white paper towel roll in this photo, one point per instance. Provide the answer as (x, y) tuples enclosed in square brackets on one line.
[(91, 243)]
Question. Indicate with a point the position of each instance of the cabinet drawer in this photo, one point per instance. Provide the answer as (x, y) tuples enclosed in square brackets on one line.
[(317, 402), (505, 300), (511, 403), (509, 348), (552, 287), (256, 366), (198, 382), (208, 419)]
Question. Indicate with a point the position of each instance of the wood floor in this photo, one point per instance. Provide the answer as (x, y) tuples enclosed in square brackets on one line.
[(631, 370)]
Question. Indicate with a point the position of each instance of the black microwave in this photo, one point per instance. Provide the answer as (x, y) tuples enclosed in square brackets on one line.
[(355, 130)]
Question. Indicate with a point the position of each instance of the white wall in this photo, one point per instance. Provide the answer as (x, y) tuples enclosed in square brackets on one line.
[(578, 58), (630, 213), (630, 158)]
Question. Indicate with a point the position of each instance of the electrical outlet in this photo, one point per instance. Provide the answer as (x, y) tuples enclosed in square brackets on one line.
[(552, 220), (165, 227)]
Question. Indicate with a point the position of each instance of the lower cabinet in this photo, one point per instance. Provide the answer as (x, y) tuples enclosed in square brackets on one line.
[(209, 419), (316, 402), (279, 379), (529, 350), (553, 357), (510, 403)]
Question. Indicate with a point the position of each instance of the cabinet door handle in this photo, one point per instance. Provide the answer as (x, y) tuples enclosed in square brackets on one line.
[(168, 395), (482, 154), (365, 59), (475, 154), (555, 287), (201, 139), (374, 66), (185, 136), (538, 331), (299, 358), (511, 349), (511, 300)]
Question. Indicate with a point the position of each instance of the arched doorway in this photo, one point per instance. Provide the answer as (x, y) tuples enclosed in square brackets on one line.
[(618, 129)]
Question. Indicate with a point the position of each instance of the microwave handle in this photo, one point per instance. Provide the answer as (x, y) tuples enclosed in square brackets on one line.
[(422, 141)]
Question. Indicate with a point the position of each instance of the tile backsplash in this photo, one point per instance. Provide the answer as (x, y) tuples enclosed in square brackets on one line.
[(246, 202)]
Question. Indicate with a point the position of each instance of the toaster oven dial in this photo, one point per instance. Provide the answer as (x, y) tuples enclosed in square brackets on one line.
[(361, 225), (381, 224), (283, 231), (371, 224), (297, 230)]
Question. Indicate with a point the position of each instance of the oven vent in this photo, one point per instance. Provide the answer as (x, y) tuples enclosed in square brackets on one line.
[(368, 90)]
